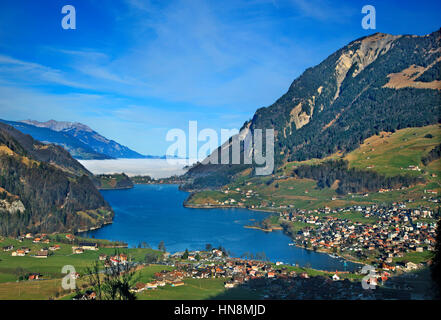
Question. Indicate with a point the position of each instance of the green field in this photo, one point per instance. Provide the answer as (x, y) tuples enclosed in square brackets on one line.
[(387, 153), (31, 290), (147, 273), (302, 193), (391, 154), (11, 267), (415, 257), (196, 289), (113, 181)]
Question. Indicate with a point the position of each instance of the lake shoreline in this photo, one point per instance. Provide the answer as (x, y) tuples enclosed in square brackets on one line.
[(94, 228), (263, 229), (328, 252), (178, 227), (116, 188)]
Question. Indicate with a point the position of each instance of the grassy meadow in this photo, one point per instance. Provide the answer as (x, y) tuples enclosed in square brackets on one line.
[(389, 154)]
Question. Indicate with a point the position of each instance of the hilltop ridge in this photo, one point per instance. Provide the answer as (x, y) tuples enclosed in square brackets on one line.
[(350, 96), (43, 189)]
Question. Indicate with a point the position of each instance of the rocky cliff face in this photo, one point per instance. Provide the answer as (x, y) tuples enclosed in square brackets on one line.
[(373, 84), (15, 206)]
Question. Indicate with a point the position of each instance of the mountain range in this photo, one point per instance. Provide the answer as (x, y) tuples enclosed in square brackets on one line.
[(80, 140), (376, 83)]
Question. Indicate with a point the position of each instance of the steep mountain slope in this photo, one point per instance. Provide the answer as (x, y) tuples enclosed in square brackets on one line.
[(76, 148), (371, 85), (406, 164), (49, 153), (88, 137), (43, 189)]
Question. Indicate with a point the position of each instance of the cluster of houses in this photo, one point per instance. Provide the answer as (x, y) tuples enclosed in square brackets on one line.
[(152, 285), (43, 252), (88, 295), (268, 279), (394, 232), (118, 259), (23, 251), (244, 194), (19, 252), (276, 281), (81, 247), (413, 168)]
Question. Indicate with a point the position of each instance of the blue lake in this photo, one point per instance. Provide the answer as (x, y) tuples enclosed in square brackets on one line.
[(154, 213)]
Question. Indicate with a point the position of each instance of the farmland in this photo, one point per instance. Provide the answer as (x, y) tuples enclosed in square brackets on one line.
[(389, 154)]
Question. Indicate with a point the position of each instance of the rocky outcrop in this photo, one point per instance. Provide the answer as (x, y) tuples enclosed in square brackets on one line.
[(12, 207), (376, 83)]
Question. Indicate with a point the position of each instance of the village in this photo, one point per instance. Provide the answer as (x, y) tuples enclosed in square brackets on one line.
[(371, 234), (247, 196), (266, 279), (382, 237), (274, 280)]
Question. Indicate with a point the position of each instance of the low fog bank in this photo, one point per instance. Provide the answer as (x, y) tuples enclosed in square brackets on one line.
[(155, 168)]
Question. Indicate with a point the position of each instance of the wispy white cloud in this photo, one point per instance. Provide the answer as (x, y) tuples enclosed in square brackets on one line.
[(15, 70), (193, 52), (17, 103), (200, 55), (215, 62)]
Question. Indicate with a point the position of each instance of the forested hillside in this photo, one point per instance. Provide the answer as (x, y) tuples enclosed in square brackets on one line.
[(377, 83), (351, 180), (113, 181), (51, 191)]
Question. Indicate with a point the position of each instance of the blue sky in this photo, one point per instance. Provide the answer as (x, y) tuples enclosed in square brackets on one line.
[(134, 69)]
